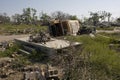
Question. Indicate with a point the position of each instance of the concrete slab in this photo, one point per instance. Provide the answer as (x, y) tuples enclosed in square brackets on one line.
[(48, 47)]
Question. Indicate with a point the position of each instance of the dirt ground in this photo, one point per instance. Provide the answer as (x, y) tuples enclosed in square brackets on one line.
[(11, 37)]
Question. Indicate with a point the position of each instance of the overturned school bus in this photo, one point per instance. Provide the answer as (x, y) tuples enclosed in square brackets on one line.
[(61, 28)]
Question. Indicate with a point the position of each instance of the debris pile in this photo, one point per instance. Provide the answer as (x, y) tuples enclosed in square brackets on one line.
[(10, 70), (41, 37), (5, 45), (33, 73), (5, 67)]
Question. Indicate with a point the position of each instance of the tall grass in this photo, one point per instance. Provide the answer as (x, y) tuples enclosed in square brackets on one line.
[(112, 35), (104, 61)]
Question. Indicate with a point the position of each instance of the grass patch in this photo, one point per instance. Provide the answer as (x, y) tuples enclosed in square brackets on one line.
[(105, 28), (17, 29), (112, 35)]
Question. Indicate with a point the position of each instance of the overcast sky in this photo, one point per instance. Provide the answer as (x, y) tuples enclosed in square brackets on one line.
[(74, 7)]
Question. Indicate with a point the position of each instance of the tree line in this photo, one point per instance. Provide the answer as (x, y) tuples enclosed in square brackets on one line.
[(4, 18), (29, 16)]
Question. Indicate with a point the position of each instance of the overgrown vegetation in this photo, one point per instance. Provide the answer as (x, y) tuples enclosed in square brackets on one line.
[(37, 57), (20, 29), (95, 61)]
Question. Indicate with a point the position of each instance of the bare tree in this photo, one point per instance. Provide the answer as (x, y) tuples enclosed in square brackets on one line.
[(45, 18), (95, 18), (17, 19), (29, 15), (4, 18), (60, 15), (109, 16)]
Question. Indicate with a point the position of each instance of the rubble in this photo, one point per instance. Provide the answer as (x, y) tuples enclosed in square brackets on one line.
[(41, 37), (40, 42), (28, 72), (5, 69), (5, 45), (46, 73)]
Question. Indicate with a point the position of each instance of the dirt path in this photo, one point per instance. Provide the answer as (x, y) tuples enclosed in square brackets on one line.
[(109, 31), (11, 37)]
